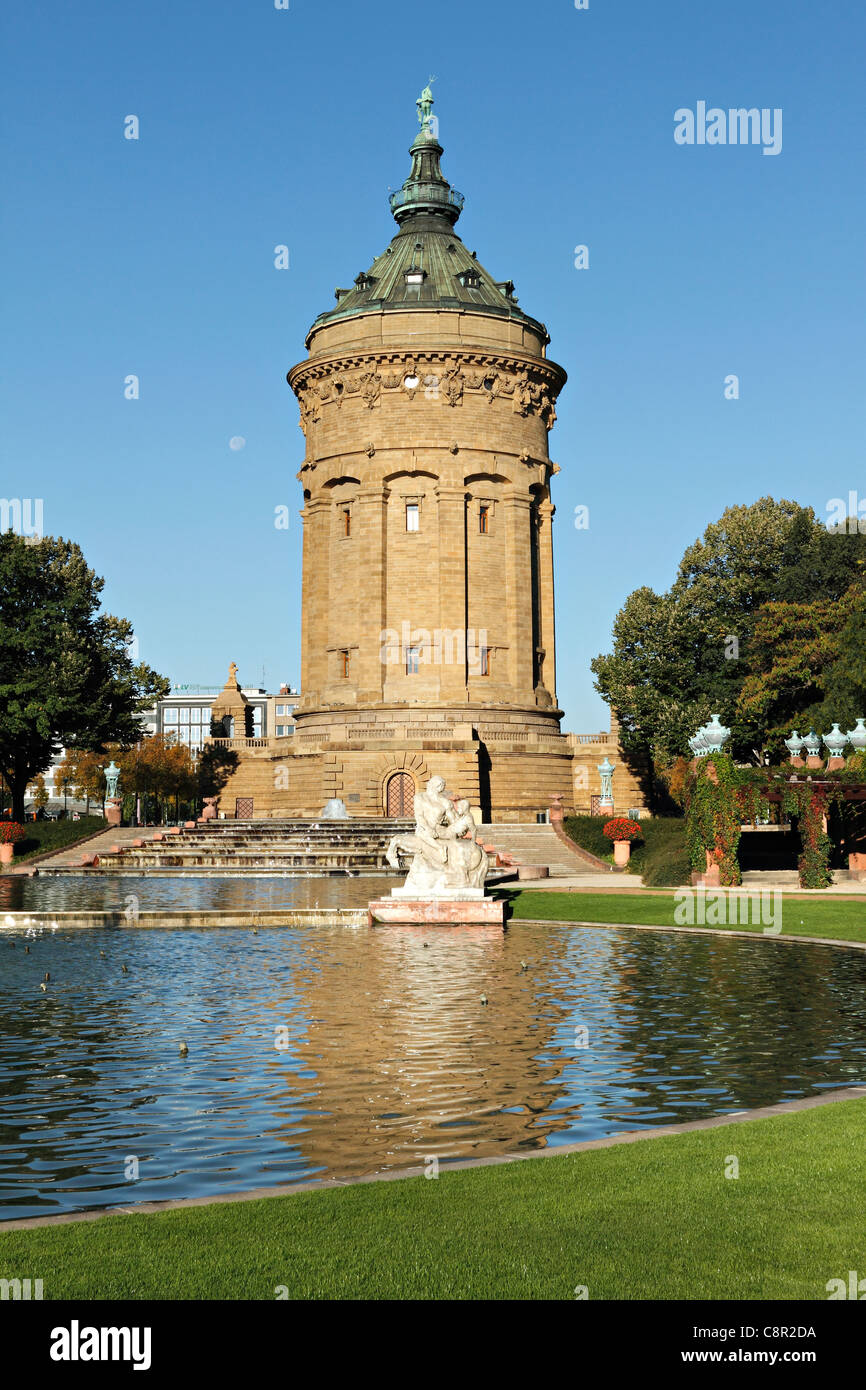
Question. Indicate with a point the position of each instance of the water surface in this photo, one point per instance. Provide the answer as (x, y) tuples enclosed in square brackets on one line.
[(387, 1054)]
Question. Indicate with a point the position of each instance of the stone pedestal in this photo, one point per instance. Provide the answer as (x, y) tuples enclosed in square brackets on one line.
[(621, 853), (437, 912), (112, 813)]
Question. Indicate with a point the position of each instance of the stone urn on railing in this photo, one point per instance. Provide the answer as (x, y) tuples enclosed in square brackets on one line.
[(622, 832), (857, 736), (834, 743)]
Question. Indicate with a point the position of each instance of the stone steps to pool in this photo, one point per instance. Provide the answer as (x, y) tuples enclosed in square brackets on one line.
[(539, 845), (290, 847)]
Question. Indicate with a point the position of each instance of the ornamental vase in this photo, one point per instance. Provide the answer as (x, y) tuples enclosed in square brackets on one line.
[(857, 736), (621, 853), (835, 741), (7, 853)]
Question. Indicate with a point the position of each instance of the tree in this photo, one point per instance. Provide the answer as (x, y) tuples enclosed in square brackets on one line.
[(39, 792), (85, 773), (66, 674), (681, 656), (808, 667), (159, 767)]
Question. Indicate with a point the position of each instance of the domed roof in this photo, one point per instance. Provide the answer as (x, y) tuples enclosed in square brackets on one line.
[(427, 266)]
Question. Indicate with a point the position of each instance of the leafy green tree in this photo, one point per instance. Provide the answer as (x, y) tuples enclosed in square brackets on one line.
[(66, 674), (808, 667), (681, 656)]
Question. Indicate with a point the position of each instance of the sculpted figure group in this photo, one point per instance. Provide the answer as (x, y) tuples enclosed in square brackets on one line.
[(444, 850)]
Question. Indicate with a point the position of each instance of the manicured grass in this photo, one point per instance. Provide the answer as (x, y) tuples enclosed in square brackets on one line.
[(656, 1219), (838, 918), (45, 835)]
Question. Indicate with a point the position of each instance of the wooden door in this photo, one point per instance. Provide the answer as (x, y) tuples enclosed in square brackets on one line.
[(243, 808)]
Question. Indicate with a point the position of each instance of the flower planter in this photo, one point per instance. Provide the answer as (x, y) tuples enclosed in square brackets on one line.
[(621, 853), (7, 854)]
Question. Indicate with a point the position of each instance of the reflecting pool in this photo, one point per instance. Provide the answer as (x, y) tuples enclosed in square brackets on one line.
[(342, 1051)]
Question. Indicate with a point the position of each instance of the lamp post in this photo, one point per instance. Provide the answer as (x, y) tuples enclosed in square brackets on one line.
[(606, 770)]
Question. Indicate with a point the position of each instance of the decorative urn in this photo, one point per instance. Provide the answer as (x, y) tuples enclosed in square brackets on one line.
[(716, 734), (812, 744), (857, 736), (834, 742), (795, 745)]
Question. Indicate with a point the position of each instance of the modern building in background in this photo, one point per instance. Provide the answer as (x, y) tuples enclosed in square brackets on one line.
[(185, 713)]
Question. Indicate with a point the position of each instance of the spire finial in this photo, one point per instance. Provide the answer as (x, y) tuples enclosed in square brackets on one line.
[(426, 191), (425, 106)]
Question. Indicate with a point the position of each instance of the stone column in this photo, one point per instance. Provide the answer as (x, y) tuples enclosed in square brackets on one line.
[(451, 503), (314, 603), (545, 512), (518, 593), (371, 578)]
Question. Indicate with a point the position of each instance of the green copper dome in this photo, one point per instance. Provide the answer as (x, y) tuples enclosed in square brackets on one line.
[(427, 266)]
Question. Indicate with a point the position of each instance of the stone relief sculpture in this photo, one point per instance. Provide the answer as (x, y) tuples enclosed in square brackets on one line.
[(371, 387), (446, 859), (452, 385)]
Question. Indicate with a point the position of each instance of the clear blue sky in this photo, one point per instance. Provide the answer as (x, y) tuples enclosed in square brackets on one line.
[(261, 126)]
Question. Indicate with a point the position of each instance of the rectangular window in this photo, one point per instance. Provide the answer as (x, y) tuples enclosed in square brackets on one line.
[(412, 516), (169, 716), (281, 709), (281, 731), (485, 654), (347, 522), (484, 520), (413, 660), (344, 664)]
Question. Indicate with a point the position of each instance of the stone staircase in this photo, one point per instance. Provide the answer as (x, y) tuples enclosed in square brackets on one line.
[(291, 847), (539, 844)]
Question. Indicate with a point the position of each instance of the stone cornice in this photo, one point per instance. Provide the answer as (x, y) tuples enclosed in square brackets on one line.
[(530, 383)]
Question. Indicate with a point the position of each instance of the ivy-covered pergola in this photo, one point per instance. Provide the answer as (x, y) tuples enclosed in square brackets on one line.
[(721, 799)]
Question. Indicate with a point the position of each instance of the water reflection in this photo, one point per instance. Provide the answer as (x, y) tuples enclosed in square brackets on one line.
[(387, 1053), (57, 893)]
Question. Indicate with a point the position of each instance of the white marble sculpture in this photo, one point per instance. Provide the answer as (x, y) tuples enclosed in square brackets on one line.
[(447, 862)]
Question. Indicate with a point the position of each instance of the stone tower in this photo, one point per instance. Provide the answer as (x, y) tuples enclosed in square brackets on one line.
[(426, 401)]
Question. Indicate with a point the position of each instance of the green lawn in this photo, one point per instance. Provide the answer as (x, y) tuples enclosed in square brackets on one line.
[(839, 918), (656, 1219), (45, 835)]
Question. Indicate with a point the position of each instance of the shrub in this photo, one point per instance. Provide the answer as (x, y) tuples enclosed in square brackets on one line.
[(668, 869), (11, 832), (587, 832)]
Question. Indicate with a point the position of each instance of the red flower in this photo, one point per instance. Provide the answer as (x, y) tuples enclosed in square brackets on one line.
[(621, 829), (11, 832)]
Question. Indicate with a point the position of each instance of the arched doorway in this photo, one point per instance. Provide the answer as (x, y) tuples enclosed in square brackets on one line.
[(399, 795)]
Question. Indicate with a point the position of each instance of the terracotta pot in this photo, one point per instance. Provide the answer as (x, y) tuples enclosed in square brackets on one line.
[(621, 853), (7, 853)]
